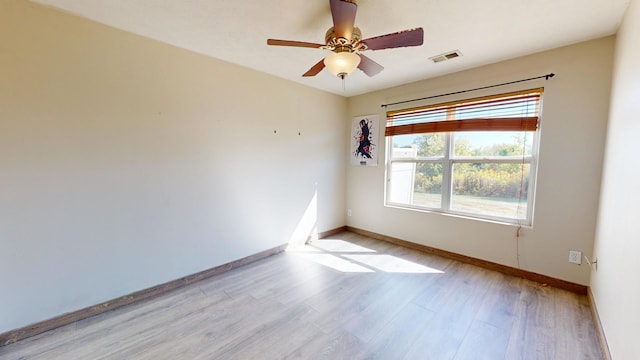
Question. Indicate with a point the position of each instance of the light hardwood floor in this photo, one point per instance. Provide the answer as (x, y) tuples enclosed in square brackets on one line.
[(344, 297)]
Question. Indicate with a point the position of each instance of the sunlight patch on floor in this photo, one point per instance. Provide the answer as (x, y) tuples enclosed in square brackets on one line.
[(335, 262), (344, 256), (393, 264), (334, 245)]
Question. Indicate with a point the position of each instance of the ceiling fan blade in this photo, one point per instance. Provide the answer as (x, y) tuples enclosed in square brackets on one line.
[(315, 69), (369, 66), (293, 43), (344, 16), (413, 37)]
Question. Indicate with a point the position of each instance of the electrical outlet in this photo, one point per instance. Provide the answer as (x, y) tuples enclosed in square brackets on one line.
[(348, 212), (575, 257)]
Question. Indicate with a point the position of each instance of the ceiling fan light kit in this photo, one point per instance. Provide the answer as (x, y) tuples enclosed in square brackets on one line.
[(341, 64), (344, 40)]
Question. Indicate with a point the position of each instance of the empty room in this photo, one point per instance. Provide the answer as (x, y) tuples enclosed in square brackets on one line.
[(326, 179)]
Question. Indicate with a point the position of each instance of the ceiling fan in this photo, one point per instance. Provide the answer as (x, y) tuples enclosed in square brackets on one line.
[(345, 41)]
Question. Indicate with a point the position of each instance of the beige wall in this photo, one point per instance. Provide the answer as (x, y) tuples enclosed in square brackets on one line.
[(572, 138), (615, 284), (125, 163)]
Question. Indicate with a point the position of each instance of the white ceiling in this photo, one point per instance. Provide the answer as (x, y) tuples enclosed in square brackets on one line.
[(236, 31)]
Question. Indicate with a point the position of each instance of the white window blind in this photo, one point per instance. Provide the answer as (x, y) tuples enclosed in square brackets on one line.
[(516, 111)]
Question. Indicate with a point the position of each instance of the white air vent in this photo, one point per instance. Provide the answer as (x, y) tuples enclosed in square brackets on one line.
[(446, 56)]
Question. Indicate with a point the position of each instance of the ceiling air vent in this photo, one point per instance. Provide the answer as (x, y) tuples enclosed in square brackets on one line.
[(446, 56)]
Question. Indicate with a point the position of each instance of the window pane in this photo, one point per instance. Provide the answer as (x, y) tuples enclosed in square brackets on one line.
[(404, 146), (491, 189), (431, 144), (426, 145), (417, 184), (493, 143)]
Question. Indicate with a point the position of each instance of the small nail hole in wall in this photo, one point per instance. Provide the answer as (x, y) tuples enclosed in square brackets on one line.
[(274, 131)]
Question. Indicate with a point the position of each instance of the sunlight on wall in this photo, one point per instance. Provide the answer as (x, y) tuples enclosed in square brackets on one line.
[(344, 256), (306, 229)]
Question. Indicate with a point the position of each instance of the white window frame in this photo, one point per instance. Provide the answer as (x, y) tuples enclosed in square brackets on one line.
[(448, 160)]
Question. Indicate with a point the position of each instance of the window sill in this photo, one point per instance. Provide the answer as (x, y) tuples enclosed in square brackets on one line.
[(498, 221)]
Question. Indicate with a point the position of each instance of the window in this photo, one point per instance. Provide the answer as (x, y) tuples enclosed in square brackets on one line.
[(474, 157)]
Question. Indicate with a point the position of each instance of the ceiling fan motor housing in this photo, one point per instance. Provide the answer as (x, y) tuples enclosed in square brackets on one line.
[(341, 44)]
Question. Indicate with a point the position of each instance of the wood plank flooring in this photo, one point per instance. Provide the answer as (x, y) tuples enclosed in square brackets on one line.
[(344, 297)]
